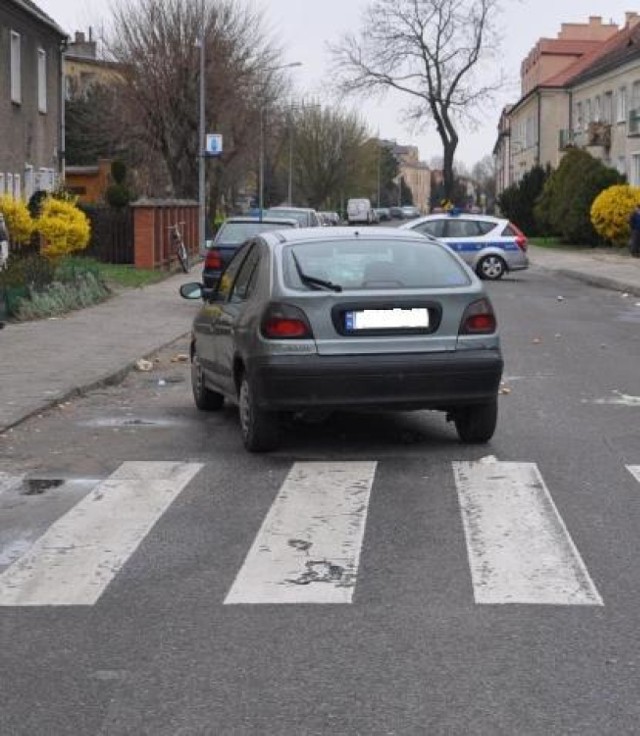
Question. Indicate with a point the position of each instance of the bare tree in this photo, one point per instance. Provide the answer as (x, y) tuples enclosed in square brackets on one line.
[(431, 50), (156, 43), (333, 154)]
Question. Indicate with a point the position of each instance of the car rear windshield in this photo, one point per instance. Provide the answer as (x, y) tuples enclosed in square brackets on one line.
[(373, 264), (234, 233), (301, 216)]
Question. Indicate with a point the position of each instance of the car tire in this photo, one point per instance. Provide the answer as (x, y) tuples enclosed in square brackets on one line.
[(204, 398), (476, 423), (259, 428), (491, 268)]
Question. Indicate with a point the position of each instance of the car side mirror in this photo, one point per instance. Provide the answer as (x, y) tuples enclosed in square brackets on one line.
[(192, 290)]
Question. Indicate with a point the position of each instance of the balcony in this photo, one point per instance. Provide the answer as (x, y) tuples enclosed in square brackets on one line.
[(633, 122), (599, 135), (570, 139)]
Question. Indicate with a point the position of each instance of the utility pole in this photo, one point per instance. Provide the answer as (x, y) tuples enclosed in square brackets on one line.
[(378, 141)]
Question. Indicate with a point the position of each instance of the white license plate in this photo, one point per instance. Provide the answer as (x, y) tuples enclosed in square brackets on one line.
[(387, 319)]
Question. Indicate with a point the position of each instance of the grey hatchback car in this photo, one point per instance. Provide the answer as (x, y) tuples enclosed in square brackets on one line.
[(308, 320)]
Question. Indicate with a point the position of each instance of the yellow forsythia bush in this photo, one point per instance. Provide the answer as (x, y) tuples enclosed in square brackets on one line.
[(17, 218), (63, 226), (611, 210)]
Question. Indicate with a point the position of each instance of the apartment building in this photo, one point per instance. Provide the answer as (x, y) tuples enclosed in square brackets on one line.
[(31, 106), (577, 90)]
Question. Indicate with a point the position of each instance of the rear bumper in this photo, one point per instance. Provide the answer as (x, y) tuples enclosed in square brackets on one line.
[(408, 381), (517, 260)]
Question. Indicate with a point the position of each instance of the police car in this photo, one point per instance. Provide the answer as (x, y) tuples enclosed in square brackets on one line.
[(490, 245)]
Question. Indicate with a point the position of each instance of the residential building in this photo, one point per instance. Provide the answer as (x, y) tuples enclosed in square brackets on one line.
[(415, 173), (83, 68), (31, 106), (572, 89)]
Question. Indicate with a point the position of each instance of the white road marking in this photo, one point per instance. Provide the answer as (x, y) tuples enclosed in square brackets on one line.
[(77, 557), (308, 547), (518, 545), (618, 399), (635, 471)]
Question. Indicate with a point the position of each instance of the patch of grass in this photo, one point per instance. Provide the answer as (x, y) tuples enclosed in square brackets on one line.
[(548, 241), (62, 297), (122, 276), (128, 277)]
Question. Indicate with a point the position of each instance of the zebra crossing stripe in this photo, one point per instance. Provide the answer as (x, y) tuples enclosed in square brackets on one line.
[(308, 548), (635, 471), (518, 545), (77, 557)]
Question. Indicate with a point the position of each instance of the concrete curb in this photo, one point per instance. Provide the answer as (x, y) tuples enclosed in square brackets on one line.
[(112, 378), (602, 282)]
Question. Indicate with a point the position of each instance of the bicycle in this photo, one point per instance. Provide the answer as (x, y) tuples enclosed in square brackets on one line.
[(179, 246)]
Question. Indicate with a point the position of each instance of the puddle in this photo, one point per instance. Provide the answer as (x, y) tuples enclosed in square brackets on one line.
[(38, 486)]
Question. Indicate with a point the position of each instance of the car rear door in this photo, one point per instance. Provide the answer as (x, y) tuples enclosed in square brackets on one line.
[(464, 237)]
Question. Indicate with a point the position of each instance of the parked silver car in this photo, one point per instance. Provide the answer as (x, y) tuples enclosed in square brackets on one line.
[(322, 319)]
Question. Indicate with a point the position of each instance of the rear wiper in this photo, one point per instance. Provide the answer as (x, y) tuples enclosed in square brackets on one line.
[(312, 280)]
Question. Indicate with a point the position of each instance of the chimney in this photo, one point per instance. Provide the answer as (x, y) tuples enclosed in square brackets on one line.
[(79, 37), (595, 20), (631, 18)]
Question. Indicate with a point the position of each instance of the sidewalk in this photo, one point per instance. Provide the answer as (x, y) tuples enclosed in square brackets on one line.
[(42, 363), (610, 270)]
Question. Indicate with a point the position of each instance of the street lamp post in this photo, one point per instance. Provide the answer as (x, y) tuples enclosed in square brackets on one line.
[(201, 137)]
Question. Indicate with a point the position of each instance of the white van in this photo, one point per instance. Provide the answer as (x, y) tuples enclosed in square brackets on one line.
[(359, 210)]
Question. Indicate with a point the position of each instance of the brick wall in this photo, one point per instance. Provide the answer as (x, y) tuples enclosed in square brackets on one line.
[(152, 222)]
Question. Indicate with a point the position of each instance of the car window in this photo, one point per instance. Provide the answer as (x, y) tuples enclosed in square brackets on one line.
[(485, 227), (300, 215), (462, 228), (245, 279), (509, 232), (432, 227), (229, 275), (234, 233), (373, 264)]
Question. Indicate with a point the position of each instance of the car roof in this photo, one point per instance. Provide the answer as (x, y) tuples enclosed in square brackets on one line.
[(465, 216), (291, 209), (251, 218), (312, 234)]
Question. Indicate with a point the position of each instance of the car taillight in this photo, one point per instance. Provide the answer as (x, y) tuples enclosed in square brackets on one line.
[(285, 322), (213, 260), (521, 240), (478, 319)]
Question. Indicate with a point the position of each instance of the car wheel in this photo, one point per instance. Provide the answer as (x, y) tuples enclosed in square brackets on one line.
[(491, 267), (205, 399), (476, 423), (259, 428)]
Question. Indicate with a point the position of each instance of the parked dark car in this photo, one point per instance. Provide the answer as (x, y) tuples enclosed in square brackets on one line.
[(383, 213), (232, 234), (396, 213), (308, 320)]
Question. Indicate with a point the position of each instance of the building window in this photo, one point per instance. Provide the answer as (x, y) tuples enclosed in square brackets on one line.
[(621, 165), (42, 80), (597, 110), (1, 184), (17, 188), (16, 73), (635, 170), (607, 107), (579, 120), (587, 112), (622, 104)]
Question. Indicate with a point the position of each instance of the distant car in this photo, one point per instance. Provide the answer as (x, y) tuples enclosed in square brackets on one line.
[(490, 245), (317, 320), (306, 216), (409, 212), (383, 213), (396, 213), (333, 218), (232, 234), (359, 211)]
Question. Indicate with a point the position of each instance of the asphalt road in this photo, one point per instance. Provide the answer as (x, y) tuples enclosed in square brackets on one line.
[(158, 648)]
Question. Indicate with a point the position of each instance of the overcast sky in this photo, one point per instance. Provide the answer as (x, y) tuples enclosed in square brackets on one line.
[(303, 28)]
